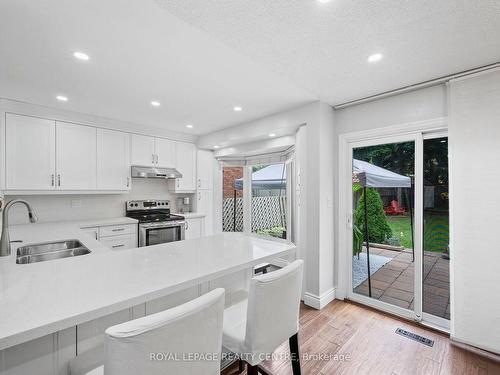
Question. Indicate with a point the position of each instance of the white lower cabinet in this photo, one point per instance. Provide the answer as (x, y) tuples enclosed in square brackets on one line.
[(126, 241), (93, 231), (205, 204), (115, 237), (47, 355), (194, 228)]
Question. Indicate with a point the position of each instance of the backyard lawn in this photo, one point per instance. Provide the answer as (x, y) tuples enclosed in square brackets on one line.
[(436, 231)]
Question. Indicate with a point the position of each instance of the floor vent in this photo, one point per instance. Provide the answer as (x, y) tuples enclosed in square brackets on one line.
[(413, 336)]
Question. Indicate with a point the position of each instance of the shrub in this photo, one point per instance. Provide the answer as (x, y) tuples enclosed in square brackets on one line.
[(378, 227)]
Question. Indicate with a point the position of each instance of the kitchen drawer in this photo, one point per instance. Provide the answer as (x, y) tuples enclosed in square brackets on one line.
[(126, 241), (115, 230)]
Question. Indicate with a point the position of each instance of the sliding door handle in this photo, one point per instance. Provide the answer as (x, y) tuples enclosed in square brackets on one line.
[(58, 180)]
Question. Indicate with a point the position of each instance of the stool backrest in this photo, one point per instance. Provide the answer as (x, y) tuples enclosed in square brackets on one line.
[(167, 342), (273, 308)]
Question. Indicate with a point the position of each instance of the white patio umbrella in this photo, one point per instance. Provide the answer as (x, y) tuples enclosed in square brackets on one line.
[(369, 175)]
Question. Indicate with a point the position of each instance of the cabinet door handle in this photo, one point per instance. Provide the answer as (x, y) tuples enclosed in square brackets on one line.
[(199, 182), (128, 181), (153, 157), (187, 226), (120, 245), (58, 180), (156, 158), (199, 196), (178, 183), (52, 179), (118, 230)]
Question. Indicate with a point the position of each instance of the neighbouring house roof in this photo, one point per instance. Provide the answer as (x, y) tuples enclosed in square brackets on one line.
[(270, 177), (370, 175)]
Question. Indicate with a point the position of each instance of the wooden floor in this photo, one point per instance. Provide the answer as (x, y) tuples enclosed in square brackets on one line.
[(367, 340)]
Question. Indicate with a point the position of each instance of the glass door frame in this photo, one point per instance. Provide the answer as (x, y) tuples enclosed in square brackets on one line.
[(429, 319), (416, 313)]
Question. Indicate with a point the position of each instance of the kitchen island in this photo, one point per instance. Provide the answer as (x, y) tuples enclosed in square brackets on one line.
[(51, 311)]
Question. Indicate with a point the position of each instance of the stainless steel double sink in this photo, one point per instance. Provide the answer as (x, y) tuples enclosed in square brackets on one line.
[(42, 252)]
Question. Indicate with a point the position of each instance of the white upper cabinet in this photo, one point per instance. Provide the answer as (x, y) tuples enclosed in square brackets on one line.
[(76, 156), (113, 160), (185, 162), (204, 168), (152, 151), (143, 150), (165, 152), (30, 153)]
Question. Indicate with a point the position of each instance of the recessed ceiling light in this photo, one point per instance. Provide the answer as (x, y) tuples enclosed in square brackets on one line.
[(216, 146), (237, 109), (272, 135), (189, 126), (81, 56), (62, 98), (375, 57), (155, 103)]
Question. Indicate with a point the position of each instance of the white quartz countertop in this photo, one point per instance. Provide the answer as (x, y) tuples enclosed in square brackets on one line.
[(191, 215), (41, 298)]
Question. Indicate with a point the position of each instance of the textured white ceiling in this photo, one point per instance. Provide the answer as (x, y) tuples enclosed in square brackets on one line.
[(139, 52), (199, 58), (323, 47)]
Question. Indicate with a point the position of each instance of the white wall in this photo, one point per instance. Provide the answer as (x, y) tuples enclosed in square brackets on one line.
[(100, 206), (315, 161), (399, 109), (474, 136)]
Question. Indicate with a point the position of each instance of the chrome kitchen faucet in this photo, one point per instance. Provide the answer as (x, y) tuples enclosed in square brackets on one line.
[(5, 240)]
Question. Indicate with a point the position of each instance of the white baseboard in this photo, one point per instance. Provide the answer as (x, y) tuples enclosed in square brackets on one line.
[(318, 302)]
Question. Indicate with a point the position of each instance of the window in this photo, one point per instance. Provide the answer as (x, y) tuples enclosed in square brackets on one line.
[(269, 200), (232, 199), (257, 198)]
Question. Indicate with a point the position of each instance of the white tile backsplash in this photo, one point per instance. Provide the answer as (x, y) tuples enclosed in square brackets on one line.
[(91, 206)]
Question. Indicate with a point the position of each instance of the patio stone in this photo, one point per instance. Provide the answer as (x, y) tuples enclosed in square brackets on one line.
[(435, 282), (380, 276), (393, 283), (407, 287), (379, 284), (435, 309), (399, 294), (363, 290), (395, 301), (397, 266)]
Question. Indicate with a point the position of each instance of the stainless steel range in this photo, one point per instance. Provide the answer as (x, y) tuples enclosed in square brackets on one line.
[(156, 224)]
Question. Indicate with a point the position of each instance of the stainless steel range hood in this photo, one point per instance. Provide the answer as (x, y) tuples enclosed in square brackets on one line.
[(141, 171)]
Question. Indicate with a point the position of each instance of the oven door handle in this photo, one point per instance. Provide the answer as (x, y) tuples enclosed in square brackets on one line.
[(169, 225)]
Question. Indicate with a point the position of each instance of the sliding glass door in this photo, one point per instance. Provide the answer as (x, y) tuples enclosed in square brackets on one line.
[(436, 257), (398, 232), (383, 178)]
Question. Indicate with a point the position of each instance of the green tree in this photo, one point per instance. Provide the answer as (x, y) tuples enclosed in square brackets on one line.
[(378, 227)]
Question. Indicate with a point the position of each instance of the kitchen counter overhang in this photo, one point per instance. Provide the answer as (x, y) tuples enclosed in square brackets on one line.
[(42, 298)]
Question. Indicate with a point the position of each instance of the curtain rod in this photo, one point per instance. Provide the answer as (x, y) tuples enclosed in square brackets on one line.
[(421, 85)]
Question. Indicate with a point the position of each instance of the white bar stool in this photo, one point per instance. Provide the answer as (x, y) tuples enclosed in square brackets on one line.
[(256, 327), (164, 343)]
